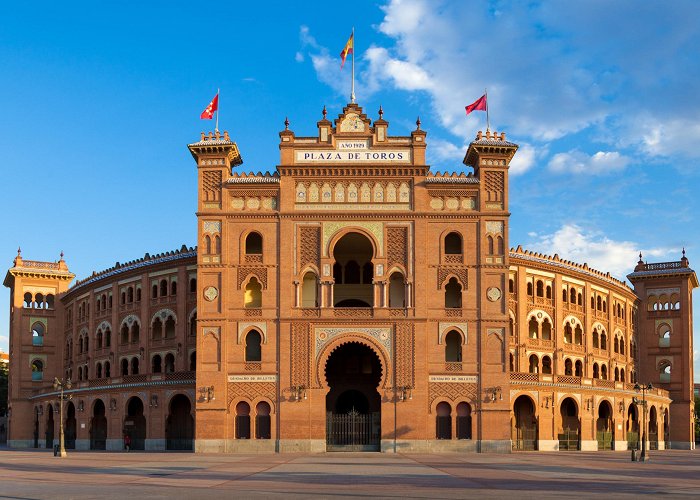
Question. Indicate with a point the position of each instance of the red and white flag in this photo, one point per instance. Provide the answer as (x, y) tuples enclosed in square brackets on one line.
[(208, 113), (478, 105)]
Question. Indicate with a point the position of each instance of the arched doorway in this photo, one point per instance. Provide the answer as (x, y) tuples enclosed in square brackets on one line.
[(179, 426), (135, 424), (71, 428), (570, 426), (632, 427), (653, 429), (604, 426), (353, 271), (524, 425), (49, 427), (667, 432), (353, 405), (98, 427)]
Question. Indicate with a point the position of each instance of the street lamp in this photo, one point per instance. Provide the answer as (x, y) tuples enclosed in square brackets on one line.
[(57, 384), (643, 402)]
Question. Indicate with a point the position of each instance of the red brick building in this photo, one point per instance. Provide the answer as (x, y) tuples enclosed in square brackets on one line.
[(352, 300)]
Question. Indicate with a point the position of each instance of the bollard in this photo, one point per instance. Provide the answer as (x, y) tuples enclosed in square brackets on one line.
[(634, 455)]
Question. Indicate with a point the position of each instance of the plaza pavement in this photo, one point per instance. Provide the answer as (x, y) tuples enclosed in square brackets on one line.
[(37, 474)]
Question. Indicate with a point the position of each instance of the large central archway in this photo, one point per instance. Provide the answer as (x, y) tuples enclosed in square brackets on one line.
[(353, 405)]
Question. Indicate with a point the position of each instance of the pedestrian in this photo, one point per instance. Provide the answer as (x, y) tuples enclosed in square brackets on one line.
[(127, 442)]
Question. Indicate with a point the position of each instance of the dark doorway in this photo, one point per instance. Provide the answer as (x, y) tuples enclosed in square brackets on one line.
[(71, 428), (135, 424), (524, 425), (36, 427), (353, 404), (49, 427), (604, 427), (98, 427), (179, 427)]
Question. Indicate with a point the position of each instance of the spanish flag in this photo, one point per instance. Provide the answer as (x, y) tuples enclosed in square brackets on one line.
[(347, 50)]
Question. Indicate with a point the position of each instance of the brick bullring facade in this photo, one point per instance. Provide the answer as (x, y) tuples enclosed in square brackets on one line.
[(352, 300)]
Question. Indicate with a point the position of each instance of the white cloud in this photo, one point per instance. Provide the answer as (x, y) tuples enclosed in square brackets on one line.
[(577, 162), (524, 160), (299, 57), (574, 243)]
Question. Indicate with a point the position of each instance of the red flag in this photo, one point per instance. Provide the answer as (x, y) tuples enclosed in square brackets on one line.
[(208, 113), (348, 49), (478, 105)]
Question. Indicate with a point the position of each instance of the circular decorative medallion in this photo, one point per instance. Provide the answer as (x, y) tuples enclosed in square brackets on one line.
[(493, 294), (211, 293)]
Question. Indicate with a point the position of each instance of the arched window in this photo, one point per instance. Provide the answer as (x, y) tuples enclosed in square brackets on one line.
[(548, 292), (253, 349), (596, 338), (568, 367), (253, 293), (138, 295), (665, 372), (578, 335), (254, 244), (533, 328), (169, 363), (599, 302), (217, 244), (39, 301), (154, 291), (134, 366), (107, 372), (98, 370), (156, 364), (173, 288), (37, 370), (578, 369), (568, 334), (80, 374), (464, 421), (163, 288), (38, 331), (572, 295), (596, 371), (157, 329), (603, 340), (125, 367), (540, 288), (170, 328), (28, 300), (547, 365), (564, 296), (397, 291), (615, 345), (511, 286), (546, 330), (309, 290), (534, 364), (207, 244), (453, 244), (80, 345), (489, 244), (130, 294), (604, 371), (453, 294), (242, 420), (262, 421), (135, 332), (622, 375), (512, 362), (617, 374), (122, 298), (529, 289), (443, 421), (453, 347), (108, 338), (98, 339), (193, 361)]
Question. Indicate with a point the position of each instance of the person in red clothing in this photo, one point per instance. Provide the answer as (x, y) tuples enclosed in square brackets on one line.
[(127, 442)]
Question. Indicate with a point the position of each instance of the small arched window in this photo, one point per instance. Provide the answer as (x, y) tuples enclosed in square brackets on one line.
[(156, 364), (309, 290), (262, 421), (453, 244), (604, 371), (28, 301), (134, 366), (546, 330), (38, 331), (154, 291), (253, 244), (453, 347), (596, 371), (125, 367), (37, 370), (163, 288), (540, 288), (665, 372), (464, 421), (193, 361), (253, 348), (511, 286), (453, 294), (253, 293), (578, 369), (169, 363), (546, 365), (242, 420), (568, 367), (534, 366), (443, 421), (397, 291), (130, 295), (107, 372)]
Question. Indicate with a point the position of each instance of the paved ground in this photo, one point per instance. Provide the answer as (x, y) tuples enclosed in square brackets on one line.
[(87, 475)]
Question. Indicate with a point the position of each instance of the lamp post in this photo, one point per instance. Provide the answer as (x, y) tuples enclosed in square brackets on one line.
[(57, 384), (644, 389)]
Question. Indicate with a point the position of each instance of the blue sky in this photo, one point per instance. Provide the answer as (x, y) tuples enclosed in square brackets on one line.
[(98, 105)]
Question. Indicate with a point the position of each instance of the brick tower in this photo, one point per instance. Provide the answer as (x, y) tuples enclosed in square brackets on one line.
[(666, 340)]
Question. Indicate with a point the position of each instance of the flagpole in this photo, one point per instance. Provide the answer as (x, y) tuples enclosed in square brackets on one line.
[(216, 128), (352, 88), (488, 124)]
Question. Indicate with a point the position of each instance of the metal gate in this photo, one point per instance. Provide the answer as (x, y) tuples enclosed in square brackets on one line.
[(352, 431), (605, 440), (653, 441), (568, 440), (525, 439)]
